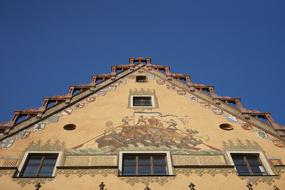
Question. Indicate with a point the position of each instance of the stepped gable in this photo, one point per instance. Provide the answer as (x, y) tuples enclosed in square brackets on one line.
[(20, 119)]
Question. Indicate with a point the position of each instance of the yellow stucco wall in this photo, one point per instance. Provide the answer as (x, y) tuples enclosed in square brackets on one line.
[(109, 109)]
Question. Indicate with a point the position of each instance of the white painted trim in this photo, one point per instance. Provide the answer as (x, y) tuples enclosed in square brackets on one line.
[(58, 160), (168, 158), (261, 156), (152, 101)]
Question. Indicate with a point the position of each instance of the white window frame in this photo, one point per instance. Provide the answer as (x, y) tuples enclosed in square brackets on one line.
[(167, 153), (261, 155), (57, 163), (152, 101)]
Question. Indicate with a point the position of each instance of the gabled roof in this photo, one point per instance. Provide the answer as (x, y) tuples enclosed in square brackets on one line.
[(22, 119)]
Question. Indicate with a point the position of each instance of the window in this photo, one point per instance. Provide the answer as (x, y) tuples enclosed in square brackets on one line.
[(142, 101), (248, 164), (141, 79), (144, 164), (39, 165)]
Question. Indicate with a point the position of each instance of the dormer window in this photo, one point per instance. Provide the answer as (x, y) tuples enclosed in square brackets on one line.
[(141, 78)]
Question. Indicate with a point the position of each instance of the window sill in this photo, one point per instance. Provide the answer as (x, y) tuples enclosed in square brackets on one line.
[(140, 107), (256, 175), (35, 177), (146, 175)]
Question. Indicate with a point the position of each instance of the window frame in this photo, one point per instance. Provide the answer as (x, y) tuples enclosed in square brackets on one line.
[(169, 169), (25, 159), (261, 157), (141, 81), (152, 101)]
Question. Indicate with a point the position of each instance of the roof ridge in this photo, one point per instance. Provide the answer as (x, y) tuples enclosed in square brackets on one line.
[(74, 90)]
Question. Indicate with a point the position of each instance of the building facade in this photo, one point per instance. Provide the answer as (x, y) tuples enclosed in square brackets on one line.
[(142, 127)]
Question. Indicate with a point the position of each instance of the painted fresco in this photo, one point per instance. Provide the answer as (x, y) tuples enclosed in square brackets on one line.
[(148, 131)]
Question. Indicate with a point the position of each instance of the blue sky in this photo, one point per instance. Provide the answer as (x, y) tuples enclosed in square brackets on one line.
[(238, 46)]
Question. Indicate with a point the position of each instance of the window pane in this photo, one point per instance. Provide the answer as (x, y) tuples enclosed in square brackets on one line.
[(142, 101), (253, 161), (49, 162), (159, 170), (34, 161), (144, 170), (238, 160), (144, 161), (141, 78), (242, 170), (129, 160), (129, 170), (159, 160), (256, 170), (46, 171), (30, 171)]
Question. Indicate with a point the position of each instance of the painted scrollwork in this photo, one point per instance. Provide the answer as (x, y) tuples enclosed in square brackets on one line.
[(89, 172), (240, 145), (202, 171), (34, 181), (260, 179), (47, 146), (6, 172), (147, 180)]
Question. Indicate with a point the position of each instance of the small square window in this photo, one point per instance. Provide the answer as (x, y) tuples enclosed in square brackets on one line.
[(144, 164), (39, 165), (248, 164), (141, 78), (142, 101)]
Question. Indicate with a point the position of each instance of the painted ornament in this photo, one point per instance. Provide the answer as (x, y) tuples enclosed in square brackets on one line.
[(79, 105), (101, 93), (231, 118), (6, 143), (113, 87), (132, 77), (217, 111), (39, 127), (67, 111), (205, 104), (150, 76), (53, 119), (193, 98), (23, 134), (160, 81), (181, 92), (91, 99), (279, 143), (261, 134), (246, 126)]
